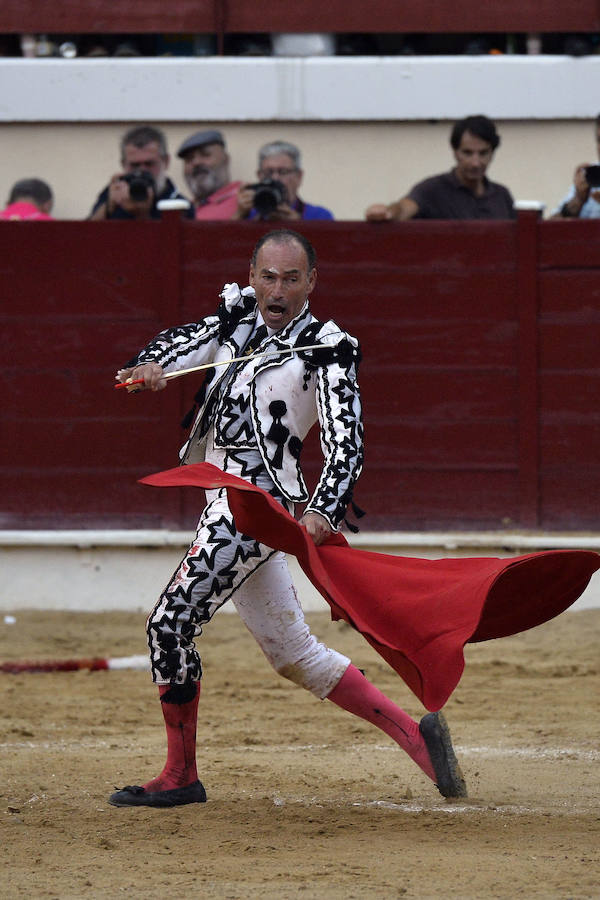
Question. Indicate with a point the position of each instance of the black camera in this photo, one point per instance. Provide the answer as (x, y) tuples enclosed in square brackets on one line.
[(140, 184), (268, 194), (592, 176)]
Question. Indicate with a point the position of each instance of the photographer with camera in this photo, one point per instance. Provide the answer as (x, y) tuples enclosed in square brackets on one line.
[(274, 198), (206, 172), (135, 192), (583, 198)]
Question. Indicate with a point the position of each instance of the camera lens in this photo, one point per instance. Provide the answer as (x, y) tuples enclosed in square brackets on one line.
[(138, 190), (267, 197), (139, 185)]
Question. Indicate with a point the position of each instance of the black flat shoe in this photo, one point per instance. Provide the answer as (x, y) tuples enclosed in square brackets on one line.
[(134, 795), (436, 734)]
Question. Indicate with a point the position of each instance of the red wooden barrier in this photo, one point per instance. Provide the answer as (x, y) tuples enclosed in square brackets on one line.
[(480, 376), (230, 16)]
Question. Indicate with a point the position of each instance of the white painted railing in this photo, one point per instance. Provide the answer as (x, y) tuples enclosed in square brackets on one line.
[(230, 89)]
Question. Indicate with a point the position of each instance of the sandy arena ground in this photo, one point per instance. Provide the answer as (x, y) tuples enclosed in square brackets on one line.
[(305, 801)]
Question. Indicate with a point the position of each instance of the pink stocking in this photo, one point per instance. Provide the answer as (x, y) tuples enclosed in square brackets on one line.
[(357, 695)]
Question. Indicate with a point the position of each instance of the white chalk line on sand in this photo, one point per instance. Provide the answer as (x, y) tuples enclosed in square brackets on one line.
[(461, 750), (445, 806), (530, 752), (492, 752)]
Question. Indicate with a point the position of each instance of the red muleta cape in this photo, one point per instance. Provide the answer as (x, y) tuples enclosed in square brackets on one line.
[(417, 613)]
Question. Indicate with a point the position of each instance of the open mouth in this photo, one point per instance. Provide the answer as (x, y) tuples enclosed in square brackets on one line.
[(276, 310)]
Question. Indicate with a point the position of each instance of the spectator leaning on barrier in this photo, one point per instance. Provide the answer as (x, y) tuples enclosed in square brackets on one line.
[(275, 198), (463, 193), (30, 198), (583, 198), (135, 192), (206, 171)]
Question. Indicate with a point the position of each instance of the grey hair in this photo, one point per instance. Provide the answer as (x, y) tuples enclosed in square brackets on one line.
[(141, 136), (276, 147)]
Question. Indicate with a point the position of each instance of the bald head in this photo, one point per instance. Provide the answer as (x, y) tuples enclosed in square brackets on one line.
[(286, 236)]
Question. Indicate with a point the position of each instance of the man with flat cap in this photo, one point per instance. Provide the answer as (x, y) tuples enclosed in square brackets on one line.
[(206, 171)]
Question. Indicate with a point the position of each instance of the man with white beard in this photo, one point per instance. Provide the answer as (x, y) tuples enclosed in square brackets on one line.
[(134, 193), (206, 171)]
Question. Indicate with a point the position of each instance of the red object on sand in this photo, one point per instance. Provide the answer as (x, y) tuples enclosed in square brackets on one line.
[(417, 613), (59, 665), (94, 664)]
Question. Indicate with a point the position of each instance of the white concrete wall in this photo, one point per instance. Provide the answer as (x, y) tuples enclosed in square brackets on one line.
[(299, 89), (125, 571), (369, 128)]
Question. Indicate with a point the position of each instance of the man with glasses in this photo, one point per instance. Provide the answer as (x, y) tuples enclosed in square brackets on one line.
[(135, 192), (279, 161)]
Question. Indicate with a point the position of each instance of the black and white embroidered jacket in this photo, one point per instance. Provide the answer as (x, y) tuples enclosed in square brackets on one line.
[(288, 393)]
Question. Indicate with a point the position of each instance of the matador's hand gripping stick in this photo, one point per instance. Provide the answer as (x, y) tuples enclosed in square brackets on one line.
[(226, 362)]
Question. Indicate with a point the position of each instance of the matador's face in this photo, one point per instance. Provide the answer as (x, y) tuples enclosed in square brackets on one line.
[(282, 281)]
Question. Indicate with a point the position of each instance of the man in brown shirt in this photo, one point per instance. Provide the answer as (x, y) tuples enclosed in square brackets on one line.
[(463, 193)]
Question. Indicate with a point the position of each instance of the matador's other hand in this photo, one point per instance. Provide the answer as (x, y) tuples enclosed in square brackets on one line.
[(151, 373), (318, 528)]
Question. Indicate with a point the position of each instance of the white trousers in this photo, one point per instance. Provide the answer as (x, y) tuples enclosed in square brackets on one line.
[(221, 564), (271, 611)]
